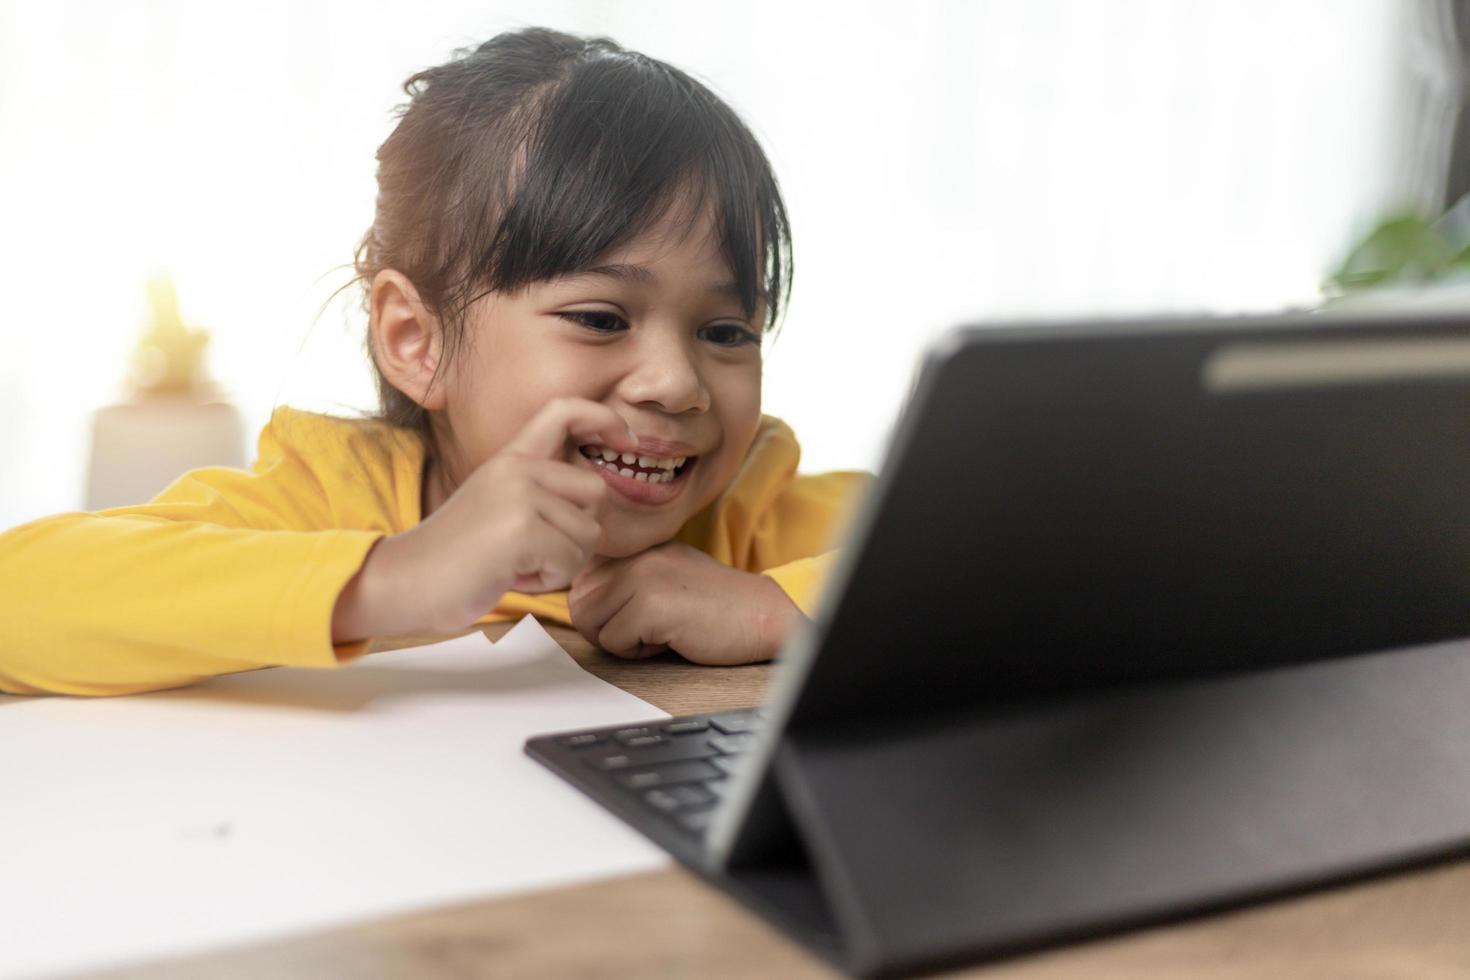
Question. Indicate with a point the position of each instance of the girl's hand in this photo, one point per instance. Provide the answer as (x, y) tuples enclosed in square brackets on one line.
[(527, 519), (676, 597)]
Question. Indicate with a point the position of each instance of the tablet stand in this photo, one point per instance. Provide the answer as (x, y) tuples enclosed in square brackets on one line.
[(933, 842)]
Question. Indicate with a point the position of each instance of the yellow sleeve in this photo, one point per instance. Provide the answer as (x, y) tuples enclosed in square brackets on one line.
[(794, 541), (116, 604), (803, 579), (225, 570)]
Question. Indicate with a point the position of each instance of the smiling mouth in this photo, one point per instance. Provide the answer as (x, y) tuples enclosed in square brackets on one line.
[(645, 469)]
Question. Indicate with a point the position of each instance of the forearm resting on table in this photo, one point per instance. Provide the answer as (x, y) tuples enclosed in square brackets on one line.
[(385, 598)]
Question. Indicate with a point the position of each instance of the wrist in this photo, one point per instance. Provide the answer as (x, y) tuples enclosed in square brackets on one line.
[(373, 602)]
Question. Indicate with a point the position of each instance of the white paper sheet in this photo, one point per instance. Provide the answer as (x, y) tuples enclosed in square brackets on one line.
[(285, 800)]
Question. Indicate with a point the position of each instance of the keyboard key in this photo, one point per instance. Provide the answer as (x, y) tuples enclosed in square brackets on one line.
[(624, 734), (697, 820), (640, 741), (678, 796), (670, 751), (675, 772), (728, 764), (685, 727), (733, 724), (731, 743), (582, 740)]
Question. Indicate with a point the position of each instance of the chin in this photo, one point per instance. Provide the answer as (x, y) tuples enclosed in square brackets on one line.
[(621, 544)]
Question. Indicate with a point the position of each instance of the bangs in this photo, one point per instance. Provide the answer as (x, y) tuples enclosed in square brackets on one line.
[(619, 145)]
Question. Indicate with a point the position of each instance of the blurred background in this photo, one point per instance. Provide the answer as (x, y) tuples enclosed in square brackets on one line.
[(943, 162)]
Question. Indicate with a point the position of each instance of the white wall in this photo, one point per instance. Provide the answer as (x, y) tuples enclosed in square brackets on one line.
[(942, 162)]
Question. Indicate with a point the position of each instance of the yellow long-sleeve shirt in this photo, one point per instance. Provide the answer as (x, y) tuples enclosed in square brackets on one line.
[(230, 570)]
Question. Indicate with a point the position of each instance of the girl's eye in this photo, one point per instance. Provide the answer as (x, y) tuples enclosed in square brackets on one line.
[(594, 320), (723, 334), (732, 335)]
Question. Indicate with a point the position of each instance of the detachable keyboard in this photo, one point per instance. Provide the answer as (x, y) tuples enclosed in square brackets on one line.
[(667, 778)]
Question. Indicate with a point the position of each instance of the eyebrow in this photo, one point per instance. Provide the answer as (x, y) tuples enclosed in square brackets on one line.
[(644, 276)]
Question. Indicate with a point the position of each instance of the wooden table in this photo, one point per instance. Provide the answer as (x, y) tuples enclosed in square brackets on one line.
[(671, 924)]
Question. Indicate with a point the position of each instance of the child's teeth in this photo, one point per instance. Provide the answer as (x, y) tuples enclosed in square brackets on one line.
[(663, 469)]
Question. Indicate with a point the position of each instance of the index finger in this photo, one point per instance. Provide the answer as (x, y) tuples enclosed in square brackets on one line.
[(564, 419)]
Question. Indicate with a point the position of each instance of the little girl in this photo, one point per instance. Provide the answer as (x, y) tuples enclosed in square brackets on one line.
[(575, 255)]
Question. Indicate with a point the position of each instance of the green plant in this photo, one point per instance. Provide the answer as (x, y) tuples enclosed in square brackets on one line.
[(1408, 249)]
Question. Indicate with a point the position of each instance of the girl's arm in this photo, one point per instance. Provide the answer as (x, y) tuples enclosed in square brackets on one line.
[(165, 594), (225, 570), (229, 570)]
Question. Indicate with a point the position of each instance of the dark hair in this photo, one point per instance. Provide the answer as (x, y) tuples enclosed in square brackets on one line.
[(532, 155)]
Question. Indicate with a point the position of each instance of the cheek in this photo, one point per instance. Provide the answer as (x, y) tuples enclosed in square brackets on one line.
[(738, 398), (737, 401), (508, 390)]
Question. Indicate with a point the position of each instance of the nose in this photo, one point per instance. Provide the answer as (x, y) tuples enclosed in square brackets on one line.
[(665, 374)]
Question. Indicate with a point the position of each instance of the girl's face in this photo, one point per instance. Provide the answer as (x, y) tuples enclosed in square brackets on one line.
[(656, 333)]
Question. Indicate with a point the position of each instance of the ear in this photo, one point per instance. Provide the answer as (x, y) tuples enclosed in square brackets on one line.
[(407, 340)]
